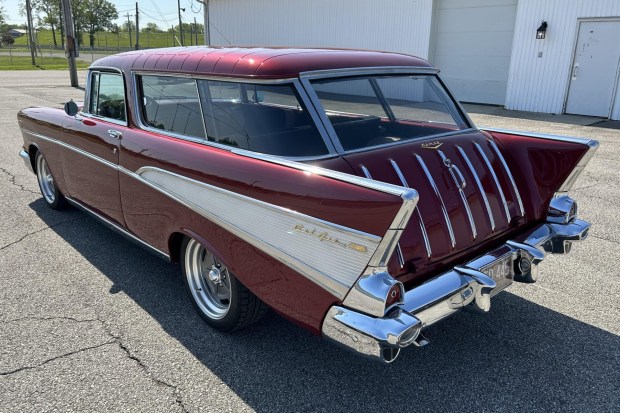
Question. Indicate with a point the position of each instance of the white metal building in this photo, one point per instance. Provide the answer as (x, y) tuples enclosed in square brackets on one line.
[(487, 50)]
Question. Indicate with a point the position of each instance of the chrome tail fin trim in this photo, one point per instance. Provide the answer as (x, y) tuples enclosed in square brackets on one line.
[(454, 171), (512, 180), (438, 194), (479, 185), (494, 176), (427, 243)]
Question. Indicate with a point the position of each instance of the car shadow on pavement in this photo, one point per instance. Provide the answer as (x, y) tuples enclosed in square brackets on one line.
[(521, 356)]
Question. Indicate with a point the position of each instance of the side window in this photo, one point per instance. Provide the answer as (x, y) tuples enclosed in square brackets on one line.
[(107, 96), (262, 118), (172, 104)]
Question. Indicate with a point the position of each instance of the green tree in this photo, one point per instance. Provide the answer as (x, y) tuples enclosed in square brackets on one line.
[(98, 15), (7, 39), (152, 27), (48, 14), (3, 26)]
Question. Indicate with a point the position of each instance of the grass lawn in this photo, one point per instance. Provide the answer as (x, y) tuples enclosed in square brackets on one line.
[(113, 42), (47, 63)]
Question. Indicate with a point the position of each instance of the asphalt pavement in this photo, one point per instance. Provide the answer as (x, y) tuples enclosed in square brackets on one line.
[(90, 322)]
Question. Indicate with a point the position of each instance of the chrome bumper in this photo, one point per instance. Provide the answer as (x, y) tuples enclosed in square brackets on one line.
[(26, 158), (468, 287)]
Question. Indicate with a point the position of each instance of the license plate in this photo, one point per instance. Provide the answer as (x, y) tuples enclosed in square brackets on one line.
[(501, 271)]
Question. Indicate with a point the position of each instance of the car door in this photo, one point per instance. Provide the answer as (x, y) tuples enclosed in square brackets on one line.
[(94, 134)]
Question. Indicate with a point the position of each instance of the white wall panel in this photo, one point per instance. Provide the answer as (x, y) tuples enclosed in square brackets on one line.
[(472, 47), (393, 25), (540, 84)]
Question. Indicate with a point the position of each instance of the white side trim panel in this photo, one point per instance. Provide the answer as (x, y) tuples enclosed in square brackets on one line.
[(329, 254)]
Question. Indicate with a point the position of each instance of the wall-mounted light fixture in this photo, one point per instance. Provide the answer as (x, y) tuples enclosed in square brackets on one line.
[(542, 29)]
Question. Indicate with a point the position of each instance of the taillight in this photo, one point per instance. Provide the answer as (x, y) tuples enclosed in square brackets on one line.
[(395, 295)]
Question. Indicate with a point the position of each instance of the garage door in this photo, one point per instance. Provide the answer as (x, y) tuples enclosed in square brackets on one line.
[(472, 47)]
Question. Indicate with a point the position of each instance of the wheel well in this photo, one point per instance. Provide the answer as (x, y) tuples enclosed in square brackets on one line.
[(32, 151), (174, 246)]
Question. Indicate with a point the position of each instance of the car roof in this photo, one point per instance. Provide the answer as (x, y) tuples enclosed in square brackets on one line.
[(256, 62)]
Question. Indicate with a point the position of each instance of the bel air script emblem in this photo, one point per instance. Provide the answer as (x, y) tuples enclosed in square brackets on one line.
[(325, 237), (432, 145)]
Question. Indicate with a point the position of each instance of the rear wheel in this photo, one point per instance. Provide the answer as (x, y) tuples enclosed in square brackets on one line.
[(220, 299), (51, 195)]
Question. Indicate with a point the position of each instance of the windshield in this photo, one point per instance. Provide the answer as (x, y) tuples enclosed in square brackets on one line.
[(376, 110)]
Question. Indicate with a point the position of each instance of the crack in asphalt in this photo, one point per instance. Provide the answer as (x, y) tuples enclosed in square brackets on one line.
[(12, 180), (115, 339), (43, 363), (39, 230), (605, 239)]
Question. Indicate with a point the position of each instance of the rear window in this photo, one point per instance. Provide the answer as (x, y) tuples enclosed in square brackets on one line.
[(369, 111)]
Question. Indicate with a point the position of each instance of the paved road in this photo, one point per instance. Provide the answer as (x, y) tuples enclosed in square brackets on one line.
[(89, 322)]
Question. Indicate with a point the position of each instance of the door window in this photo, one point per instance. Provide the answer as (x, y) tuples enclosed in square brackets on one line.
[(107, 96)]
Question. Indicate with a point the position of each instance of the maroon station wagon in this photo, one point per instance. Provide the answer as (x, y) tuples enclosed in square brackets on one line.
[(347, 190)]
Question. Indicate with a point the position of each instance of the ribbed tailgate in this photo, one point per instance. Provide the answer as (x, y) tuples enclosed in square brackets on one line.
[(467, 194)]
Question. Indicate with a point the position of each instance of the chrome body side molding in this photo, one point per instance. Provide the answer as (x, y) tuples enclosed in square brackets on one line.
[(330, 255), (337, 274), (118, 229), (469, 286)]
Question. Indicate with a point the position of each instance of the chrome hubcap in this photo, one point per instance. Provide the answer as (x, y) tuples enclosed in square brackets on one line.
[(208, 279), (46, 181)]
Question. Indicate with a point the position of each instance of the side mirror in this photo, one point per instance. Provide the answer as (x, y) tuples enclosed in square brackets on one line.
[(71, 108)]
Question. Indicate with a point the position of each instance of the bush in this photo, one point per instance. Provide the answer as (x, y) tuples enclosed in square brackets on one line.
[(7, 39)]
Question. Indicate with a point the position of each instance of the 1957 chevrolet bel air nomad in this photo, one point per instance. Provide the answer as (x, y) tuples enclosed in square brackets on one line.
[(347, 190)]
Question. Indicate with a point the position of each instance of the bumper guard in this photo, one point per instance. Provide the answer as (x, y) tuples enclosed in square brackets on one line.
[(469, 287)]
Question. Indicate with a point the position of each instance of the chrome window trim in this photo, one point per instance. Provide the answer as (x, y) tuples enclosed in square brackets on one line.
[(307, 77), (85, 112), (512, 180), (438, 194), (495, 180), (373, 70), (139, 117), (216, 77), (406, 141), (479, 185)]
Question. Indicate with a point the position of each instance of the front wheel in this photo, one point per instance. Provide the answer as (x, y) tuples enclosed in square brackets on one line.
[(51, 195), (220, 299)]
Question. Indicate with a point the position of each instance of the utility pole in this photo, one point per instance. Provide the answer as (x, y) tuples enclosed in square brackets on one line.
[(137, 29), (195, 31), (70, 44), (207, 31), (129, 28), (180, 23), (30, 39)]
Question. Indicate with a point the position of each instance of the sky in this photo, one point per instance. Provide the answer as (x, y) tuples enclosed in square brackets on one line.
[(161, 12)]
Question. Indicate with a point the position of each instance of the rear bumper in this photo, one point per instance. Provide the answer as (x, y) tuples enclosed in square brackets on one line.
[(26, 158), (470, 287)]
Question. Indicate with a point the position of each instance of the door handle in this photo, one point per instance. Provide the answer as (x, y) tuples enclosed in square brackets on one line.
[(575, 70), (113, 133)]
